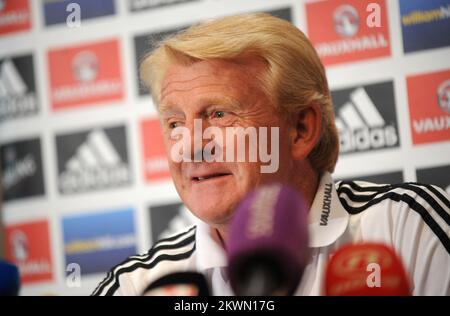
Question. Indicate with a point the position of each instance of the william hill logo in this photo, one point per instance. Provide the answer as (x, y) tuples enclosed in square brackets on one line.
[(86, 74), (429, 107), (426, 16), (340, 33), (366, 118), (425, 24), (93, 160)]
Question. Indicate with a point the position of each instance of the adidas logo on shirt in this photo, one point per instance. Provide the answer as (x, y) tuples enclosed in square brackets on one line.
[(17, 87), (93, 160), (365, 118)]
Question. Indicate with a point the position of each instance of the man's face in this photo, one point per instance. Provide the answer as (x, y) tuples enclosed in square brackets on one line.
[(224, 95)]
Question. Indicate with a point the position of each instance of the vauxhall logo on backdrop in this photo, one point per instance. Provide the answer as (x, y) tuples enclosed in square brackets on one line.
[(366, 118), (85, 75), (349, 30), (14, 16), (346, 21), (28, 247), (93, 160), (443, 93), (429, 106), (21, 169), (155, 162), (17, 87)]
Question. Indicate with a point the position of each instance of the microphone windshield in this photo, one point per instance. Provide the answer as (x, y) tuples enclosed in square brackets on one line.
[(268, 242)]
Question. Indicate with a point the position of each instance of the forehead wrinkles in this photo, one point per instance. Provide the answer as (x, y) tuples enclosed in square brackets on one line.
[(182, 79), (174, 83)]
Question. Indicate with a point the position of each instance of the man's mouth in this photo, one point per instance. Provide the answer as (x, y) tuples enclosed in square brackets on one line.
[(210, 177)]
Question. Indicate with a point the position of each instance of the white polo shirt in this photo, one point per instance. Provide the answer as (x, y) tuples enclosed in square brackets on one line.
[(412, 218)]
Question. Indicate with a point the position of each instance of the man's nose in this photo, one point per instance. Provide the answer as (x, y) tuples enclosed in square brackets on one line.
[(196, 141)]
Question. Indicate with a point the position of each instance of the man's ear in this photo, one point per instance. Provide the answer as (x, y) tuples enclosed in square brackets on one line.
[(306, 131)]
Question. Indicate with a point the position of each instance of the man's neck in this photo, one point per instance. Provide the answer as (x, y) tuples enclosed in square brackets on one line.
[(219, 235)]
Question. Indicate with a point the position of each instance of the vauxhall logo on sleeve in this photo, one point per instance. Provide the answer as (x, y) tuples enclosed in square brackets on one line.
[(429, 106), (28, 246), (366, 117), (85, 75), (17, 87), (92, 160), (21, 169), (55, 11), (15, 16), (340, 32)]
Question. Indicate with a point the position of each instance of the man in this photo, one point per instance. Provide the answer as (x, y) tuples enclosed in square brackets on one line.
[(258, 71)]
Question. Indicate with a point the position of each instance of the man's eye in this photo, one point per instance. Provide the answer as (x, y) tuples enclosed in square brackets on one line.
[(218, 114), (173, 125)]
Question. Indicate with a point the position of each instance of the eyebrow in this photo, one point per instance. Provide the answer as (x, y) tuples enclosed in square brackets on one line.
[(204, 102)]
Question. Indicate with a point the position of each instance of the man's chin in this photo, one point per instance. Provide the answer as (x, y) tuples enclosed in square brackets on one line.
[(212, 213)]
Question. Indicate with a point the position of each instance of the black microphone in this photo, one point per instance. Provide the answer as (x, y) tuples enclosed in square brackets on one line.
[(9, 279), (179, 284), (268, 242)]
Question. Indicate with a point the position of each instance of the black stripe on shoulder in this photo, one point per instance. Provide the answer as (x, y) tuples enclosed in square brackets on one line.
[(438, 194), (412, 186), (171, 238), (371, 187), (102, 284), (413, 204), (156, 247), (161, 258)]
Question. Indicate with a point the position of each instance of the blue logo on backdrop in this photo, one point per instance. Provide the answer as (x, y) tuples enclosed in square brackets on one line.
[(425, 24), (55, 10), (97, 242)]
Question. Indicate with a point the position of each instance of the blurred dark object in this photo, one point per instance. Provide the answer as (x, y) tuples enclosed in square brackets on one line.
[(9, 279)]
